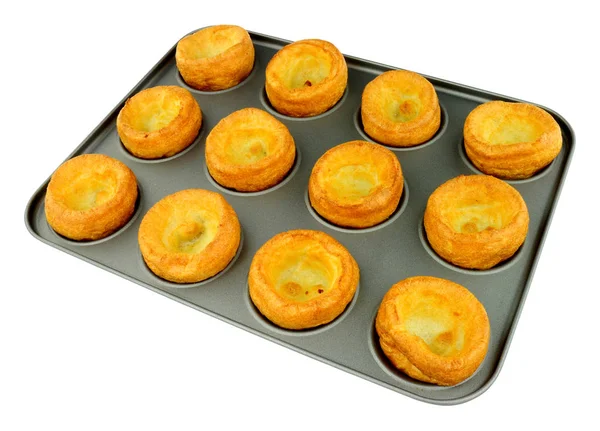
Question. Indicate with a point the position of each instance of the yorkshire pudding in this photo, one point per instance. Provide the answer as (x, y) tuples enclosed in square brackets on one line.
[(511, 140), (476, 221), (90, 196), (249, 151), (159, 122), (356, 184), (189, 236), (400, 108), (215, 58), (432, 329), (302, 278), (306, 78)]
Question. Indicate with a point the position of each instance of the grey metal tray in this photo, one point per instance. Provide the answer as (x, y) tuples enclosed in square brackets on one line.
[(386, 253)]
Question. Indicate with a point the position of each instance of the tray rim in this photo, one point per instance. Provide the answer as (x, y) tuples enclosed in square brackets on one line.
[(440, 85)]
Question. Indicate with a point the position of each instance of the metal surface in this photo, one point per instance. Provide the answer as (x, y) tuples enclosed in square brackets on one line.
[(386, 254)]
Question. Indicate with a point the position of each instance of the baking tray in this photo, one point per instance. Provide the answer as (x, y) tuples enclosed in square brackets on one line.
[(387, 253)]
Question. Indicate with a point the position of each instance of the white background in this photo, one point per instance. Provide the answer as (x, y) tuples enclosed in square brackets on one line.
[(83, 349)]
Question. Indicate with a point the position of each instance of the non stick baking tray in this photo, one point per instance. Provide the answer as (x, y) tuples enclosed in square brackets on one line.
[(386, 253)]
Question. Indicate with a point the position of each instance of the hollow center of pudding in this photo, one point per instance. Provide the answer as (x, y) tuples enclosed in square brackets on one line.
[(305, 68), (210, 43), (155, 111), (354, 181), (403, 109), (478, 213), (303, 274), (90, 190), (400, 104), (190, 234), (248, 146), (436, 326), (511, 130)]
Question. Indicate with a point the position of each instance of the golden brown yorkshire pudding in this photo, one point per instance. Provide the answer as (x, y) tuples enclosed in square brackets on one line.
[(400, 108), (432, 329), (90, 196), (302, 278), (511, 140), (476, 221), (215, 58), (159, 122), (189, 236), (306, 78), (356, 184), (249, 151)]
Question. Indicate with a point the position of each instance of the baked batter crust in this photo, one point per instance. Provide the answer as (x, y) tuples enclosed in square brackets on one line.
[(302, 278), (159, 122), (356, 184), (215, 58), (476, 221), (306, 78), (432, 329), (90, 196), (511, 140), (189, 236), (249, 150), (400, 108)]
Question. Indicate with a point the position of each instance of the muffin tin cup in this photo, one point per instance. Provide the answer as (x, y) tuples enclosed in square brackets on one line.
[(199, 138), (301, 332), (402, 204), (172, 285), (266, 105), (539, 174), (74, 243), (403, 379), (181, 82), (385, 254), (500, 266), (288, 177), (436, 136)]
